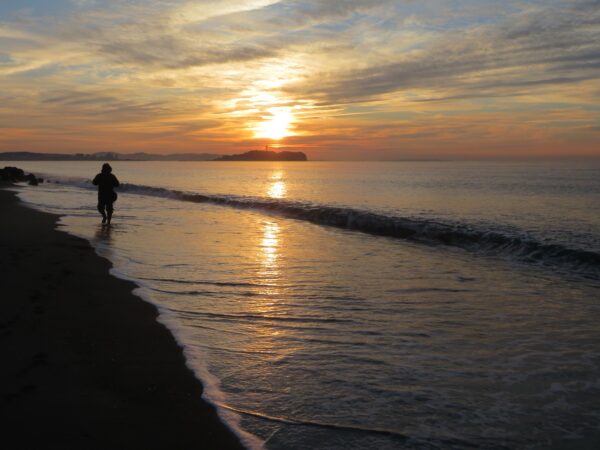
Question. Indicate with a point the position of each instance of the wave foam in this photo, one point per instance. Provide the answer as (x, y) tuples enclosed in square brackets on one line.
[(490, 242)]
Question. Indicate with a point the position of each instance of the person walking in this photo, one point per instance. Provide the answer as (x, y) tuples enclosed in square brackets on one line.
[(106, 183)]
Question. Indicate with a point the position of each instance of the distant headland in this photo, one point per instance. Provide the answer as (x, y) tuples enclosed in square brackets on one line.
[(265, 155), (254, 155)]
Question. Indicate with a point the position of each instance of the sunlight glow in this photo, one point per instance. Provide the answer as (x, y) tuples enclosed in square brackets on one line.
[(277, 126)]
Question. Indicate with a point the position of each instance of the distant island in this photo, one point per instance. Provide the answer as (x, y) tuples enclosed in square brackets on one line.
[(265, 155), (254, 155)]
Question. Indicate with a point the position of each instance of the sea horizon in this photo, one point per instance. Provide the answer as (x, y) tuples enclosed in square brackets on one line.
[(495, 158)]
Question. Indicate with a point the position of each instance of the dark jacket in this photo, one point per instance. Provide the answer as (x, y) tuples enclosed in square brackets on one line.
[(106, 183)]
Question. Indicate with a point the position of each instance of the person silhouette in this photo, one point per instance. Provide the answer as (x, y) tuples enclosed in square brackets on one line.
[(106, 183)]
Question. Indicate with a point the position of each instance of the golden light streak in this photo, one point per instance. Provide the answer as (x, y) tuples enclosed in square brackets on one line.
[(277, 126), (269, 248), (277, 188)]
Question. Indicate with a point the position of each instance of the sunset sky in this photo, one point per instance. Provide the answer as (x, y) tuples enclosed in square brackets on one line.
[(353, 79)]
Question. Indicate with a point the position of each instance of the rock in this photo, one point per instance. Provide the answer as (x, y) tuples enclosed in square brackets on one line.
[(14, 174), (32, 179)]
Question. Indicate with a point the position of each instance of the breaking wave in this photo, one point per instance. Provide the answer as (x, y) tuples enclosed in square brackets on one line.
[(468, 237)]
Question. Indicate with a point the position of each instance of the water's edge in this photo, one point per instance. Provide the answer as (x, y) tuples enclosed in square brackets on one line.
[(211, 392)]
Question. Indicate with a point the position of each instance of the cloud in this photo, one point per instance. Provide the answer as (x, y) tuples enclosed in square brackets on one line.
[(294, 15), (162, 37), (534, 48), (347, 69)]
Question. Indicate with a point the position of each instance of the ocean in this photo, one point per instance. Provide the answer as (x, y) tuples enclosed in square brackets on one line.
[(366, 305)]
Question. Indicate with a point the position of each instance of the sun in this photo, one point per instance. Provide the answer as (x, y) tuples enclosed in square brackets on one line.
[(277, 125)]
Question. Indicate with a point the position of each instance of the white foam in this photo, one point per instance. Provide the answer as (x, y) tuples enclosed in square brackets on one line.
[(517, 246)]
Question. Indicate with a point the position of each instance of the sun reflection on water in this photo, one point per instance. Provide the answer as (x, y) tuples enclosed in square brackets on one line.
[(266, 304), (277, 187), (269, 247)]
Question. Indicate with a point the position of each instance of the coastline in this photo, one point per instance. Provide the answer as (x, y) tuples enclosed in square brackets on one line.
[(85, 362)]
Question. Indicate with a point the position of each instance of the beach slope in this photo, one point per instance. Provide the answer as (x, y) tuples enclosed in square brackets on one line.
[(85, 364)]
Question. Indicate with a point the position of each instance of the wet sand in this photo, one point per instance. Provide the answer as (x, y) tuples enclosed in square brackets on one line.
[(84, 363)]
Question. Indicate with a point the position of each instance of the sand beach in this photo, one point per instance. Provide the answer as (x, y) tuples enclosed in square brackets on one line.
[(85, 364)]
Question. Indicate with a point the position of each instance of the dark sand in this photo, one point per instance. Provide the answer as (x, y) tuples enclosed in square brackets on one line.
[(83, 362)]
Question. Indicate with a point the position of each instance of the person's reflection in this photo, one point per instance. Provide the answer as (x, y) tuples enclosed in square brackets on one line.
[(103, 234)]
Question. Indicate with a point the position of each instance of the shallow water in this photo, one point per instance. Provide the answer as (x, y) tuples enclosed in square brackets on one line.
[(324, 337)]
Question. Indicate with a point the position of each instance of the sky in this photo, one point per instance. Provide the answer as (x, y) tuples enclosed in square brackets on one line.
[(353, 79)]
